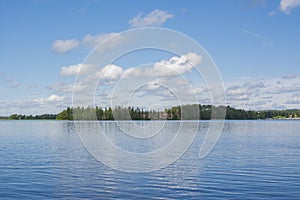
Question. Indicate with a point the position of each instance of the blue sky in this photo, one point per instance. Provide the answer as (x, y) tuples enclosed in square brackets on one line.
[(255, 45)]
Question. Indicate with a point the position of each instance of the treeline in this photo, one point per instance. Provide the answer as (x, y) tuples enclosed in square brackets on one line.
[(278, 114), (186, 112), (118, 113), (3, 117), (29, 117), (205, 111)]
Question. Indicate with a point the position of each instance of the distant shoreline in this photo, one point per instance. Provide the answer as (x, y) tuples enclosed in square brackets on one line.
[(189, 112), (298, 118), (270, 119)]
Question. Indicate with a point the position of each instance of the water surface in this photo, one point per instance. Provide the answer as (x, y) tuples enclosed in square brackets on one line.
[(252, 160)]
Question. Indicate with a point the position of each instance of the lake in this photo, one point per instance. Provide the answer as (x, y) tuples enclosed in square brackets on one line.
[(251, 160)]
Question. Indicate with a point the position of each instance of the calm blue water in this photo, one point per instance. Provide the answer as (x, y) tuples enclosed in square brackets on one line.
[(252, 160)]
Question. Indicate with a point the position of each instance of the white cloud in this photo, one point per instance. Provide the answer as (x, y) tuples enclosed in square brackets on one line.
[(154, 79), (79, 87), (290, 76), (176, 65), (155, 84), (294, 87), (108, 40), (264, 94), (51, 104), (172, 89), (244, 91), (93, 40), (155, 18), (294, 99), (110, 72), (50, 99), (63, 88), (64, 46), (89, 41), (297, 102), (287, 5), (78, 68), (133, 72)]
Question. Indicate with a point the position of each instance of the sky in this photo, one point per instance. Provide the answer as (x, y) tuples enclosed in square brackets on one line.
[(255, 45)]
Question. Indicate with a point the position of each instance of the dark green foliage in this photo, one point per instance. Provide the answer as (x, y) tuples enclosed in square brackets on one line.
[(120, 113), (65, 115), (185, 112), (31, 117), (3, 117)]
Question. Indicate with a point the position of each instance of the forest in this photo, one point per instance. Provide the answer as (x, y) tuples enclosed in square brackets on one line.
[(29, 117), (185, 112)]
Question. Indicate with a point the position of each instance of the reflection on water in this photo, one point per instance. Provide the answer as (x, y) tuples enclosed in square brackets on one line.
[(252, 159), (118, 148)]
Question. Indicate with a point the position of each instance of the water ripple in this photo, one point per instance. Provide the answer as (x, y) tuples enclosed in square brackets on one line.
[(252, 160)]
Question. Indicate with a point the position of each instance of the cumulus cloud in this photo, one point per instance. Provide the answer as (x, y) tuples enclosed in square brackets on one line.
[(290, 76), (294, 99), (133, 72), (155, 18), (51, 104), (160, 81), (256, 104), (78, 68), (155, 84), (89, 41), (50, 99), (176, 65), (154, 74), (264, 94), (110, 72), (244, 91), (93, 40), (64, 46), (63, 88), (172, 89), (287, 5), (284, 89)]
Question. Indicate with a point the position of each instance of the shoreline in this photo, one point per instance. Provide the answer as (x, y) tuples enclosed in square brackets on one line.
[(267, 119)]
